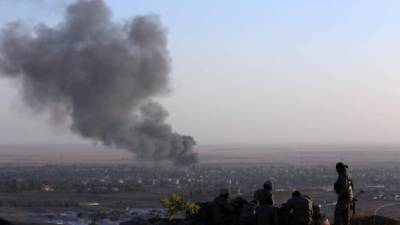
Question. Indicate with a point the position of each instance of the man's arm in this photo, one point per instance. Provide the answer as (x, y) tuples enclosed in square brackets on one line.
[(289, 206)]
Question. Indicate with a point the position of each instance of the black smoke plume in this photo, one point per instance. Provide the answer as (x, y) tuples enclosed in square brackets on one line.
[(102, 74)]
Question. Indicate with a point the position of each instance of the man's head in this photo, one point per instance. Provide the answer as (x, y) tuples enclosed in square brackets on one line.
[(340, 167), (296, 194), (267, 185), (224, 192)]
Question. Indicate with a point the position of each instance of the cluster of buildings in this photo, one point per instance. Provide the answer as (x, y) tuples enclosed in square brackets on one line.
[(378, 182)]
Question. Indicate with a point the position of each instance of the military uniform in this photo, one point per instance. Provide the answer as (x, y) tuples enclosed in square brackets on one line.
[(344, 189), (300, 209)]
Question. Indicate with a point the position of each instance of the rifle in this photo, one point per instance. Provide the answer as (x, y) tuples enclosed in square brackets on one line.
[(354, 201)]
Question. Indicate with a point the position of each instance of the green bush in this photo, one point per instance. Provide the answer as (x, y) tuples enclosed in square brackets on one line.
[(175, 204)]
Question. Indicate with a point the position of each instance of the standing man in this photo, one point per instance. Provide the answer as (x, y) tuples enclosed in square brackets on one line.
[(344, 189), (263, 196)]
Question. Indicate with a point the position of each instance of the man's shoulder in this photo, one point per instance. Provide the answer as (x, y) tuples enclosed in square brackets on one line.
[(259, 192), (300, 199), (219, 199)]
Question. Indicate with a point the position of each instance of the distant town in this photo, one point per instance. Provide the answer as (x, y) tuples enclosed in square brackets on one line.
[(118, 192)]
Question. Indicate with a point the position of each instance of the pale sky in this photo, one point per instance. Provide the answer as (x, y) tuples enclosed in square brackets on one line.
[(254, 72)]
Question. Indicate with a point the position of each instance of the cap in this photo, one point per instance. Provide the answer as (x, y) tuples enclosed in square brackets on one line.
[(340, 165)]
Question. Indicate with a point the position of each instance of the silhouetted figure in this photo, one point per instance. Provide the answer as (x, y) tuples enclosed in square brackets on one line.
[(344, 189), (236, 205), (222, 212), (267, 214), (282, 215), (248, 213), (203, 216), (299, 209), (264, 195)]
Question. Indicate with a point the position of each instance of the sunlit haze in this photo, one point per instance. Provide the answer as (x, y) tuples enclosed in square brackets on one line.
[(253, 72)]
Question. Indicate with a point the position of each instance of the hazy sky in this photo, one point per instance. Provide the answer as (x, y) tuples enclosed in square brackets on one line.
[(255, 72)]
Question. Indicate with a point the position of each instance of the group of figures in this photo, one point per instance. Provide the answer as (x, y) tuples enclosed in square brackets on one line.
[(298, 210)]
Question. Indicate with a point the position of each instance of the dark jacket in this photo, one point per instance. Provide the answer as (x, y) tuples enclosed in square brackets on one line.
[(263, 196), (247, 214), (266, 215), (221, 211)]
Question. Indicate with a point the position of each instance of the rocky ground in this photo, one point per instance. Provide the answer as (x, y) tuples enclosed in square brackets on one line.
[(364, 220)]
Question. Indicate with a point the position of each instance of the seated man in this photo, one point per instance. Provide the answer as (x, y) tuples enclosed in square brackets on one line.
[(221, 210), (300, 209), (266, 214)]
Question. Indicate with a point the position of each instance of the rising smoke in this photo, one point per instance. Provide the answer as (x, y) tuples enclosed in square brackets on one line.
[(103, 75)]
